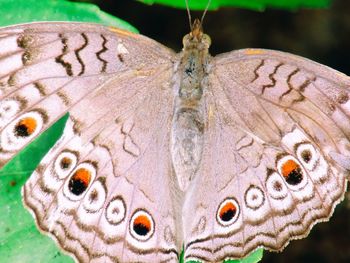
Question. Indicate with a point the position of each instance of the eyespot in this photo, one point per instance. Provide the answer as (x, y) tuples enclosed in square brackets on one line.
[(65, 163), (308, 155), (280, 197), (291, 171), (20, 131), (275, 186), (227, 212), (25, 127), (8, 108), (28, 124), (79, 181), (116, 210), (96, 196), (141, 225), (313, 161), (254, 197)]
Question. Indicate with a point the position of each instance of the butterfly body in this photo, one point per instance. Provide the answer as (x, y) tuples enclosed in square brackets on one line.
[(219, 155), (190, 118)]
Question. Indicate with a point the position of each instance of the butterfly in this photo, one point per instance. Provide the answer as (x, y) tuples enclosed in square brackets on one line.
[(218, 155)]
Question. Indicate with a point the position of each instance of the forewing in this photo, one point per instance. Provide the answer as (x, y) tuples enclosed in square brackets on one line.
[(104, 191), (276, 154)]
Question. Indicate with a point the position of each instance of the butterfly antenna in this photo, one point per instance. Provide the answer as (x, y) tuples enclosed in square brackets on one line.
[(205, 11), (189, 14)]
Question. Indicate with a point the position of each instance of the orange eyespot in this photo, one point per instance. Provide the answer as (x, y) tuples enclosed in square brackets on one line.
[(227, 212), (288, 167), (141, 225), (292, 172), (83, 175), (26, 127), (79, 181)]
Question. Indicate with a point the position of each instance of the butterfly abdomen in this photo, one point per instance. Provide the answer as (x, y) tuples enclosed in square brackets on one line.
[(187, 144)]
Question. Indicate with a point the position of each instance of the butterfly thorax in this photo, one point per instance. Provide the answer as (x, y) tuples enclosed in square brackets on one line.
[(189, 115), (193, 64)]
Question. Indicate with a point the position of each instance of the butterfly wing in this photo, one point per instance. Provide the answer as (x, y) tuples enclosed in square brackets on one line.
[(104, 191), (276, 154)]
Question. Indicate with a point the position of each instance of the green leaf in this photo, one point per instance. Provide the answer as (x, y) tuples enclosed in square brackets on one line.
[(254, 257), (249, 4), (23, 11), (18, 233)]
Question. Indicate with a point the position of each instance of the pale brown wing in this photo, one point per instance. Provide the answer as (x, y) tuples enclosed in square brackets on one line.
[(275, 156), (104, 192)]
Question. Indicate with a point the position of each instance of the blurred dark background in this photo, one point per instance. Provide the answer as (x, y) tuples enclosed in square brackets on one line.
[(322, 35)]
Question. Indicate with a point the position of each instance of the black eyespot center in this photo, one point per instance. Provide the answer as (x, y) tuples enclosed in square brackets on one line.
[(141, 229), (292, 172), (77, 186), (306, 155), (93, 196), (116, 210), (228, 215), (79, 181), (277, 186), (227, 212), (21, 130), (295, 176), (25, 127), (142, 225), (65, 163)]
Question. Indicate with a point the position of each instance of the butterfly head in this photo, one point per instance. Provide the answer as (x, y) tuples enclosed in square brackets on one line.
[(196, 38)]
